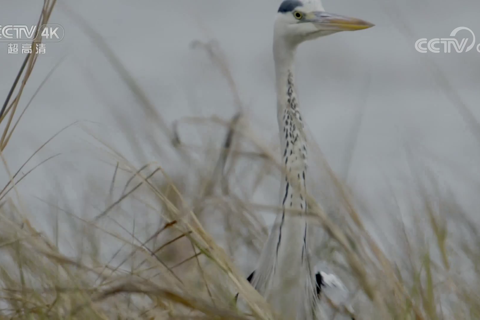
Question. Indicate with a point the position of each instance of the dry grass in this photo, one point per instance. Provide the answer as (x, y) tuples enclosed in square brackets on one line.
[(167, 265)]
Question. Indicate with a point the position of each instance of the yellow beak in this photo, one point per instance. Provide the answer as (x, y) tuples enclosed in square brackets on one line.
[(335, 22)]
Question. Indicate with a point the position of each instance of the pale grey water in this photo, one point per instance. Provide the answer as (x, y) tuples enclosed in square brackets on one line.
[(376, 73)]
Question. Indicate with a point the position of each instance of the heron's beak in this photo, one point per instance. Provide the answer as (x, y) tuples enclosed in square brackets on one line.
[(335, 22)]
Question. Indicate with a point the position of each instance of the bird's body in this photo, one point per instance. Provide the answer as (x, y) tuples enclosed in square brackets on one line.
[(285, 272)]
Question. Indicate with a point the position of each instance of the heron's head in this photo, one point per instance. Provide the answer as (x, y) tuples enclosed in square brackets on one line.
[(301, 20)]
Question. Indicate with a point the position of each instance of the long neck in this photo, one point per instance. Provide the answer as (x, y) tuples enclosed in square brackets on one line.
[(292, 137), (284, 56), (288, 238)]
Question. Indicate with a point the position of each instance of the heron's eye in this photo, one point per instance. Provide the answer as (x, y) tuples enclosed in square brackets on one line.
[(298, 15)]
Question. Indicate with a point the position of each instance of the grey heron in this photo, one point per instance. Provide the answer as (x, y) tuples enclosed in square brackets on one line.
[(285, 272)]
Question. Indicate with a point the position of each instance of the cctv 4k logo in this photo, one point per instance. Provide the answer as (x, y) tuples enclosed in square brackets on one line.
[(449, 45), (22, 32)]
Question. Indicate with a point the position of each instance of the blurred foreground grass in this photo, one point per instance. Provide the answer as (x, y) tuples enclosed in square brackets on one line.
[(168, 266)]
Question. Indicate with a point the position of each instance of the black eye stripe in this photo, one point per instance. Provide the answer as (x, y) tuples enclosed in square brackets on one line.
[(289, 6)]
